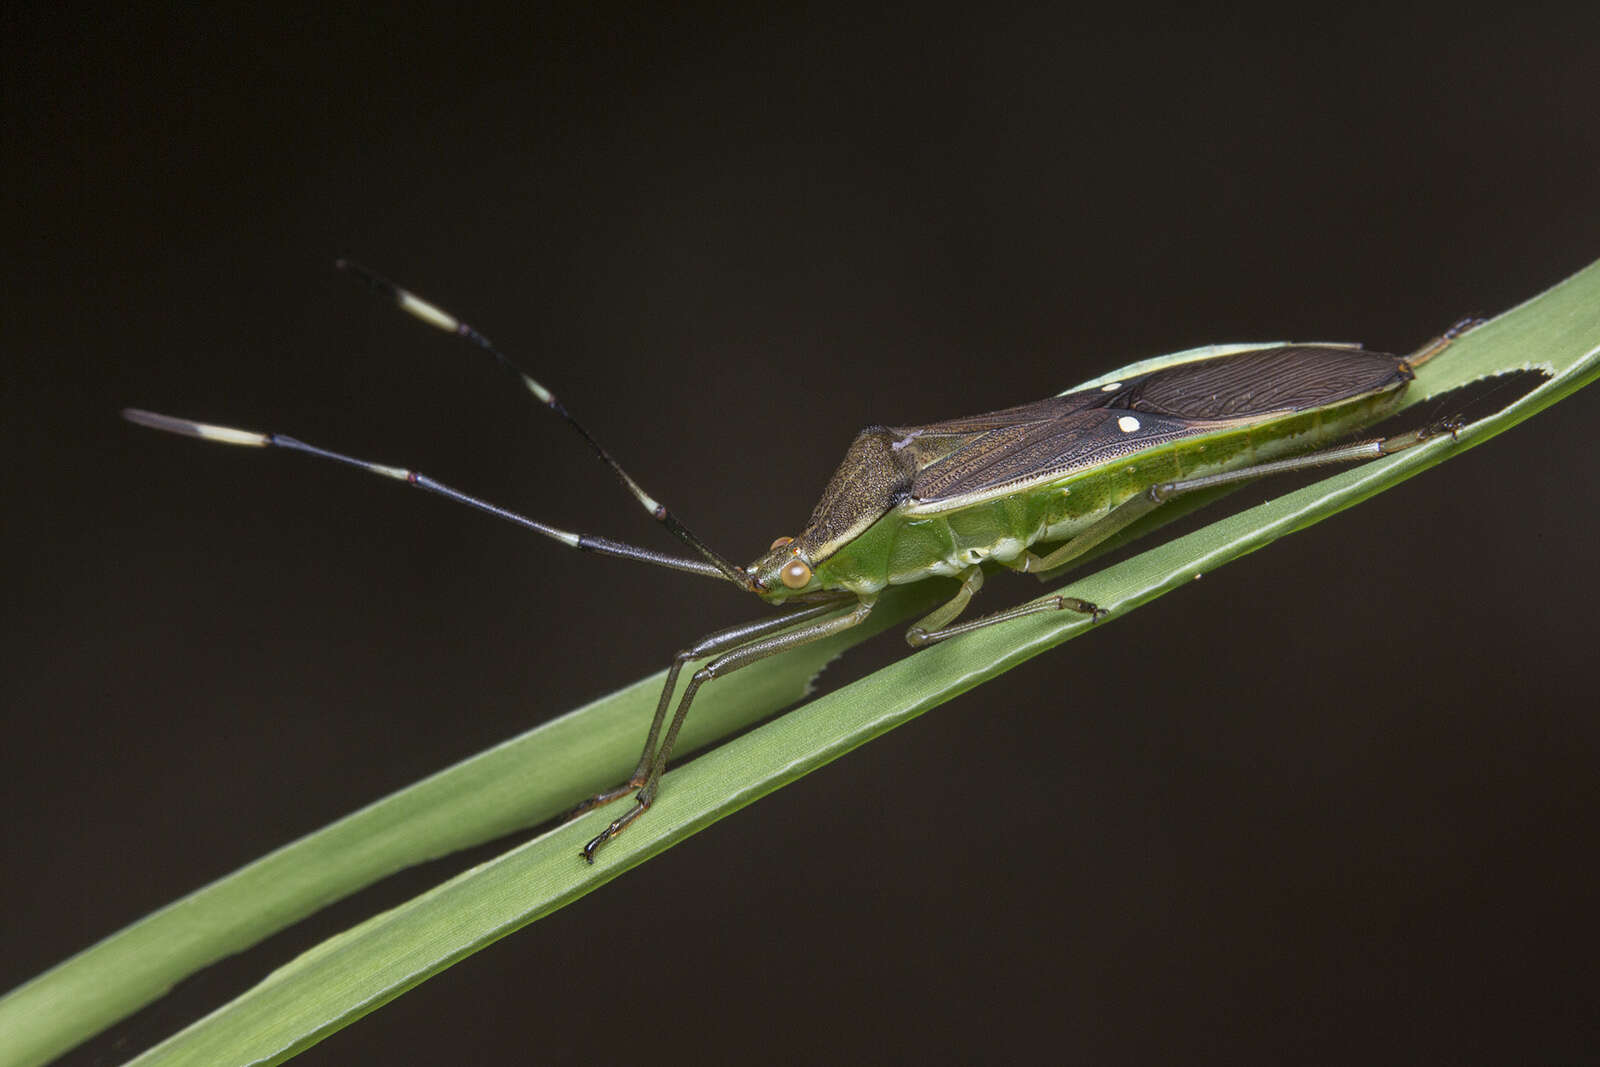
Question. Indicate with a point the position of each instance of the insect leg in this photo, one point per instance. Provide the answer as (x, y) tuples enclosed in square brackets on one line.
[(944, 614), (710, 645), (917, 637), (1359, 452), (752, 650), (935, 626)]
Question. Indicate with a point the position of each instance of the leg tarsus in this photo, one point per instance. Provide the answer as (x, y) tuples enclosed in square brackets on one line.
[(616, 827), (1082, 607), (1388, 446), (1086, 607)]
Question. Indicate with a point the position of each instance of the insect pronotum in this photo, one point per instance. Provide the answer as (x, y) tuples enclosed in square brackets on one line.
[(941, 500)]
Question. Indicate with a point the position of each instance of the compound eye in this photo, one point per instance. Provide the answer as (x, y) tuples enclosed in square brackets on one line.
[(795, 574), (779, 543)]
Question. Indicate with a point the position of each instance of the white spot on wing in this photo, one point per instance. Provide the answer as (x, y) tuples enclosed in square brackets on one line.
[(1111, 388), (1127, 424)]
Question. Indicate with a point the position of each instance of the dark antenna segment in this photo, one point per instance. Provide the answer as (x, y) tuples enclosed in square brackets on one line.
[(583, 542), (440, 319)]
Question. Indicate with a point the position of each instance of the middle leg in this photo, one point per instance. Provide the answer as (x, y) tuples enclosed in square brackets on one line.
[(935, 626)]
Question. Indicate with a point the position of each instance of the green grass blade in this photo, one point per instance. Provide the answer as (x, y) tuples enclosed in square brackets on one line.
[(518, 783)]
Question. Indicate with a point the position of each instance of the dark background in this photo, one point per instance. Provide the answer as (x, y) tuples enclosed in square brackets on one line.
[(1335, 802)]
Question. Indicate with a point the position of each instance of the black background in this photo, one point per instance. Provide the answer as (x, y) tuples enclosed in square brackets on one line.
[(1335, 802)]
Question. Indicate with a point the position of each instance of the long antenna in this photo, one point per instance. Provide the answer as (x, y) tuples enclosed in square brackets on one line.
[(438, 318), (583, 542)]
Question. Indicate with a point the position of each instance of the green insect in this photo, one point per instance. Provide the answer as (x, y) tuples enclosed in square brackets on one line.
[(941, 500)]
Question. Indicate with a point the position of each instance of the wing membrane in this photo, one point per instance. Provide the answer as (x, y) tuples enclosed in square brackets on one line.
[(1052, 437), (1040, 451)]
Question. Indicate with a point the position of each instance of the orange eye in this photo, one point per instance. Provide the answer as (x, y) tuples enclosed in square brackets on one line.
[(779, 543), (795, 574)]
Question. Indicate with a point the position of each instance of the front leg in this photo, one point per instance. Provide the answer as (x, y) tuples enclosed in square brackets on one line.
[(710, 645), (748, 645)]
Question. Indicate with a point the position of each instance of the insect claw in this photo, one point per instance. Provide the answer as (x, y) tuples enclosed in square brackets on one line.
[(595, 843)]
